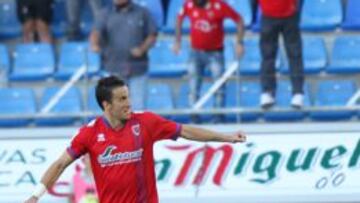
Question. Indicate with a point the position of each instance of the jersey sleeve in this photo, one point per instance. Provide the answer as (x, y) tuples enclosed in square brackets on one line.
[(229, 12), (79, 144), (161, 128)]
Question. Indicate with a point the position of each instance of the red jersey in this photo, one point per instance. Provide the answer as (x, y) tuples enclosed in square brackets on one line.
[(206, 29), (122, 160), (278, 8)]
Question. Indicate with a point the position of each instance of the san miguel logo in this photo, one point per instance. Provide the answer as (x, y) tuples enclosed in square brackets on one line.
[(260, 167), (109, 158)]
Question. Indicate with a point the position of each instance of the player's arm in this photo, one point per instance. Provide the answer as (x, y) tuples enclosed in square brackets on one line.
[(199, 134), (50, 177)]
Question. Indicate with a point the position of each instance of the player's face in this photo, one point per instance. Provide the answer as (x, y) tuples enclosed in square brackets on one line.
[(120, 105)]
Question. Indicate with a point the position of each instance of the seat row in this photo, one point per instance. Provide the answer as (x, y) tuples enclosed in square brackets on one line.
[(317, 15), (161, 97), (31, 62)]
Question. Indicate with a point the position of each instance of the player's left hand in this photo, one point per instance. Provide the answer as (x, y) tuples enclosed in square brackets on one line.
[(137, 52), (239, 50), (237, 137)]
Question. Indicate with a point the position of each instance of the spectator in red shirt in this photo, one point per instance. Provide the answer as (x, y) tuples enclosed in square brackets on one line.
[(120, 144), (281, 17), (207, 42)]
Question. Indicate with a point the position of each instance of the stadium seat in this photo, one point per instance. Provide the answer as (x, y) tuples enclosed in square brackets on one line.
[(16, 101), (92, 104), (352, 17), (182, 102), (87, 19), (345, 56), (74, 55), (283, 99), (58, 24), (69, 103), (244, 9), (248, 97), (159, 97), (173, 11), (4, 60), (250, 62), (332, 93), (32, 62), (155, 8), (165, 63), (10, 27), (321, 15), (314, 56)]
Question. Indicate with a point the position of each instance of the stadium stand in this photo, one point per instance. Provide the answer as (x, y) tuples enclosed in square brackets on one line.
[(333, 93), (345, 55), (16, 102), (352, 17), (9, 24), (330, 58), (74, 55), (32, 62), (69, 103), (321, 15), (243, 7), (314, 56)]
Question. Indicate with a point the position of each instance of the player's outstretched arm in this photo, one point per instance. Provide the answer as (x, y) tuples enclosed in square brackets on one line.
[(50, 176), (199, 134)]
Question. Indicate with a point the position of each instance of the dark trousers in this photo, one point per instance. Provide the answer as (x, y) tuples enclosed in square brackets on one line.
[(271, 29)]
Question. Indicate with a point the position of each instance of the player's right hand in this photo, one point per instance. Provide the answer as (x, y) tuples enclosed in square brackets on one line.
[(32, 200)]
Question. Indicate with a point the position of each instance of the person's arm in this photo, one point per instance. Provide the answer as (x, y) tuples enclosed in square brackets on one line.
[(95, 40), (240, 38), (50, 177), (178, 34), (199, 134)]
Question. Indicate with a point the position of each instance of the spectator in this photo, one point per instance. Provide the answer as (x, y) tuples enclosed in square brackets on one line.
[(281, 18), (73, 12), (84, 183), (124, 33), (35, 17), (207, 42)]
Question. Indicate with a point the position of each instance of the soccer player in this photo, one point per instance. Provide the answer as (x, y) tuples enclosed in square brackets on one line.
[(120, 145)]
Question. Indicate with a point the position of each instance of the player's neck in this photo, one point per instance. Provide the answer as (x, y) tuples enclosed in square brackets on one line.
[(114, 123)]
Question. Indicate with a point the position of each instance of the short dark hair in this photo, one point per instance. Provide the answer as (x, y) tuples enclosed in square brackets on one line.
[(104, 89)]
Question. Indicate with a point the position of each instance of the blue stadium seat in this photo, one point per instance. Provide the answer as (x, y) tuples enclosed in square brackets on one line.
[(10, 27), (74, 55), (249, 94), (16, 101), (250, 62), (92, 104), (182, 102), (58, 24), (244, 9), (333, 93), (345, 55), (352, 17), (33, 62), (321, 15), (165, 63), (314, 56), (159, 97), (173, 11), (87, 19), (4, 60), (69, 103), (155, 8), (283, 98)]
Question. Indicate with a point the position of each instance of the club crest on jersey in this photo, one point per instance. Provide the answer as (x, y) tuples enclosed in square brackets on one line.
[(101, 137), (136, 129)]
